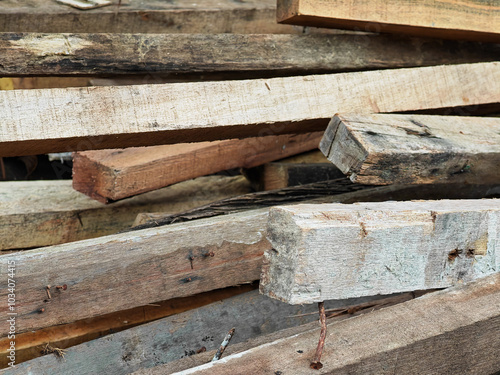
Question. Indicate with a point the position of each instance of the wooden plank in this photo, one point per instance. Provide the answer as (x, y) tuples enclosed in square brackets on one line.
[(455, 330), (386, 149), (116, 174), (104, 54), (178, 336), (392, 246), (42, 121), (468, 19), (43, 213), (301, 169), (151, 16)]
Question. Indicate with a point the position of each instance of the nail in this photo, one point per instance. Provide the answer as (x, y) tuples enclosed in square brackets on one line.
[(47, 289), (63, 287)]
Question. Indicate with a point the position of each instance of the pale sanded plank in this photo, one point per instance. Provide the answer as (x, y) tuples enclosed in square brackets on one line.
[(41, 121), (408, 149), (179, 336), (151, 16), (115, 174), (43, 213), (104, 54), (455, 19), (341, 251), (454, 331)]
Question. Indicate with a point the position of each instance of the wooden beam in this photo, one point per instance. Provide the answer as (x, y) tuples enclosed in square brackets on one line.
[(151, 16), (392, 246), (455, 330), (301, 169), (42, 121), (468, 19), (109, 175), (43, 213), (180, 336), (407, 149), (105, 54)]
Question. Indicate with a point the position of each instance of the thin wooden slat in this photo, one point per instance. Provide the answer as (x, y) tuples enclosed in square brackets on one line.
[(116, 174), (151, 16), (104, 54), (339, 251), (454, 331), (455, 19), (178, 336), (387, 149), (43, 213), (42, 121)]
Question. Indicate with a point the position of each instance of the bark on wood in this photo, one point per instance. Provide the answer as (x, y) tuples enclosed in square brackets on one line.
[(116, 174), (43, 213), (152, 16), (387, 149), (454, 331), (74, 119), (339, 251), (104, 54), (303, 169), (468, 20)]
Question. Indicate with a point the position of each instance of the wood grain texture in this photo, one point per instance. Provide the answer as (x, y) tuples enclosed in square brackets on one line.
[(117, 54), (43, 213), (53, 120), (455, 330), (454, 19), (176, 337), (302, 169), (387, 149), (151, 16), (116, 174), (339, 251)]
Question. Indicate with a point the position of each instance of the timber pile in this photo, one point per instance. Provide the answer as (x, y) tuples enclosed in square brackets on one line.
[(214, 151)]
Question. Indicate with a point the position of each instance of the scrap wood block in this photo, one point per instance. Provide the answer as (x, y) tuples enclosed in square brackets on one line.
[(337, 251), (32, 54), (110, 175), (43, 213), (54, 120), (465, 19), (454, 331), (414, 149)]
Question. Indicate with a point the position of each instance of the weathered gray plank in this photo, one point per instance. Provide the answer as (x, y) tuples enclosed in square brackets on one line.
[(52, 120), (43, 213), (339, 251), (454, 331), (414, 149), (104, 54), (179, 336)]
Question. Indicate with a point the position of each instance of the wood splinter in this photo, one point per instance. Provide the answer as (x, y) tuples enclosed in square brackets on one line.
[(316, 362), (223, 346)]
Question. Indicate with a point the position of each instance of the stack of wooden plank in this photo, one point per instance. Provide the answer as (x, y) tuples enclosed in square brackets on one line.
[(188, 124)]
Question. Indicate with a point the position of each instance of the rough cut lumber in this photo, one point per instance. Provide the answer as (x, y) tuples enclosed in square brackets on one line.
[(63, 336), (103, 54), (454, 331), (74, 119), (387, 149), (107, 175), (151, 16), (340, 251), (467, 19), (176, 337), (297, 170), (43, 213)]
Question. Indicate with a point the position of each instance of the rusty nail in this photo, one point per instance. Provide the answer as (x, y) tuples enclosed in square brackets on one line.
[(316, 364), (63, 287), (210, 254), (40, 310), (47, 289)]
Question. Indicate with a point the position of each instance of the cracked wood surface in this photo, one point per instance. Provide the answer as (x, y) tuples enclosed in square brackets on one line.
[(454, 331), (414, 149), (73, 119), (453, 19), (338, 251), (114, 54)]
